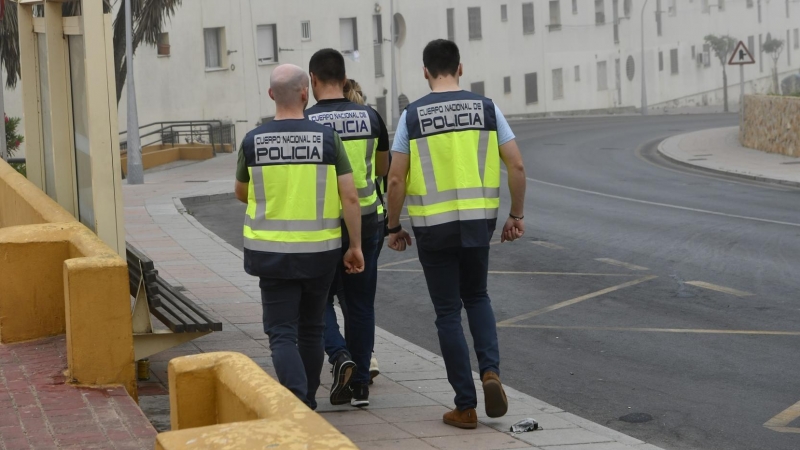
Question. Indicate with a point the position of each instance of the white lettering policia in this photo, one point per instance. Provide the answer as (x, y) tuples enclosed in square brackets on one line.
[(274, 148), (455, 115), (346, 123)]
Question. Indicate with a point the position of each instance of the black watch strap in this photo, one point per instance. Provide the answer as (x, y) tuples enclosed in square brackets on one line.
[(395, 229)]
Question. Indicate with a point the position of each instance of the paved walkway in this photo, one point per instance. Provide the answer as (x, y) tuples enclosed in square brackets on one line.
[(39, 411), (408, 399), (719, 150)]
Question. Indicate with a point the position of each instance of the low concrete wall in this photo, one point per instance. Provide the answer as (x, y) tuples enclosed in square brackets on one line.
[(56, 276), (158, 155), (224, 400), (771, 124)]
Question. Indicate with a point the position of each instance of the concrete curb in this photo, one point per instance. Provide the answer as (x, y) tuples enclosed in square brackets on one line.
[(666, 149)]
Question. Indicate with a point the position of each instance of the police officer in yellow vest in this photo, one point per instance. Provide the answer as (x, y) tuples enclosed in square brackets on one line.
[(367, 144), (446, 162), (294, 175)]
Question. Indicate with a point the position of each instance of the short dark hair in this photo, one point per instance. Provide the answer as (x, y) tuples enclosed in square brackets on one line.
[(441, 57), (327, 65)]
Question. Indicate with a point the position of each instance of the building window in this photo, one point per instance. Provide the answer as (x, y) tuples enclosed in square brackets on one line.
[(673, 61), (506, 85), (377, 44), (672, 7), (477, 88), (706, 55), (602, 76), (574, 7), (759, 11), (348, 35), (577, 73), (749, 3), (704, 6), (760, 53), (555, 15), (796, 38), (626, 6), (721, 5), (267, 44), (751, 43), (451, 24), (787, 8), (658, 17), (474, 18), (531, 88), (558, 84), (163, 44), (504, 13), (305, 30), (788, 48), (660, 61), (213, 38), (599, 12), (694, 53), (528, 26)]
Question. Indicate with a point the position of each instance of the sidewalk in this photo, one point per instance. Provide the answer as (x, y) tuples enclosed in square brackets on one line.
[(719, 150), (38, 410), (408, 398)]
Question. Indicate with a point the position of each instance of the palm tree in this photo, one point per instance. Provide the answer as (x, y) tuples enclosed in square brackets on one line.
[(149, 18)]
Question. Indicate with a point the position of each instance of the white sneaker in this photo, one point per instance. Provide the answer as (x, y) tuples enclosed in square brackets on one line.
[(374, 371)]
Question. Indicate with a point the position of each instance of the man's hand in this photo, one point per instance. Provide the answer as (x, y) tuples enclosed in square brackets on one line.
[(512, 230), (399, 241), (353, 261)]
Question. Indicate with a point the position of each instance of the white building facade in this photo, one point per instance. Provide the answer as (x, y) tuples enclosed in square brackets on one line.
[(532, 57)]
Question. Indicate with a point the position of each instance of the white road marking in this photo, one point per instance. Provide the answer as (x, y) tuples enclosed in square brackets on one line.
[(614, 262)]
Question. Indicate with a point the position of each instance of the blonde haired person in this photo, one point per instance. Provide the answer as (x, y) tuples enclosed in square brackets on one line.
[(353, 92)]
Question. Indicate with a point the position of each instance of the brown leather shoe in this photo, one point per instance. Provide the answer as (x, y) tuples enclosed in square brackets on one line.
[(467, 419), (494, 395)]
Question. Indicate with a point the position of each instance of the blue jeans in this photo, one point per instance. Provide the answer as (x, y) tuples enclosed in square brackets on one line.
[(293, 319), (357, 296), (457, 277)]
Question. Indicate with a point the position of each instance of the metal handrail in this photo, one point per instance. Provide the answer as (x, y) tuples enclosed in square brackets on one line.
[(169, 126)]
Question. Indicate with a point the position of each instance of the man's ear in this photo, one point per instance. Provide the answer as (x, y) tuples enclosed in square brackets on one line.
[(425, 73), (460, 69), (314, 79), (270, 94), (304, 95)]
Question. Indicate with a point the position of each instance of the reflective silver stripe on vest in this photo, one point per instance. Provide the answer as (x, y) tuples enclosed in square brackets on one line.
[(453, 216), (292, 247), (453, 194), (261, 223), (369, 189), (433, 196)]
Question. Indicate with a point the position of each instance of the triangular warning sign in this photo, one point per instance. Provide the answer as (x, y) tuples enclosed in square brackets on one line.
[(741, 55)]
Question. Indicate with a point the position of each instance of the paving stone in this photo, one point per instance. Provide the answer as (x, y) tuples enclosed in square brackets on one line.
[(373, 432), (436, 428), (352, 417), (544, 438), (475, 441), (396, 444)]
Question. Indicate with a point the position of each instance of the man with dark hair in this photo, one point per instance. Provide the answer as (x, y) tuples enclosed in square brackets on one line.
[(366, 142), (293, 175), (446, 161)]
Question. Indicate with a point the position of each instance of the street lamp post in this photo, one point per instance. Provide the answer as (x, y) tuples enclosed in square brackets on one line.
[(644, 77), (135, 170), (395, 106)]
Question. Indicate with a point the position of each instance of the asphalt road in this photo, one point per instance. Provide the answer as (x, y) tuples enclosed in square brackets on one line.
[(640, 333)]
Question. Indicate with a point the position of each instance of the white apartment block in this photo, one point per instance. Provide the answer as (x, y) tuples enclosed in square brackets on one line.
[(532, 57)]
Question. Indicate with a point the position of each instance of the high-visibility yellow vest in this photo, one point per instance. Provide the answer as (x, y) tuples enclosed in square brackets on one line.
[(293, 205), (359, 128), (454, 166)]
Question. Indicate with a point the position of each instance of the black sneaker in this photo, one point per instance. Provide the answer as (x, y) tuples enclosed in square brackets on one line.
[(343, 370), (360, 395)]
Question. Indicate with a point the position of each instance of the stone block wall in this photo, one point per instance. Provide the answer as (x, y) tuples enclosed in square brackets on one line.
[(771, 124)]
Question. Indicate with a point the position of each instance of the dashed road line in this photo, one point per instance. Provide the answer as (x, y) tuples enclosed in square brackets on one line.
[(614, 262), (723, 289), (573, 301), (546, 244)]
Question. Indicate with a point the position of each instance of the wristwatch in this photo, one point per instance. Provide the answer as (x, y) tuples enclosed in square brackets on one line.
[(395, 229)]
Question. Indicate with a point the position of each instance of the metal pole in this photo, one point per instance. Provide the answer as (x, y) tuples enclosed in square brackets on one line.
[(741, 91), (644, 74), (135, 172), (395, 105), (3, 150)]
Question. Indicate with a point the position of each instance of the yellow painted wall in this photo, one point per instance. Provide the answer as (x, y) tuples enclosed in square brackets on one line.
[(158, 155), (224, 400), (22, 203)]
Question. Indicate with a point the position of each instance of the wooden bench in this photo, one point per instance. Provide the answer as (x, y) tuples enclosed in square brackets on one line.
[(184, 319)]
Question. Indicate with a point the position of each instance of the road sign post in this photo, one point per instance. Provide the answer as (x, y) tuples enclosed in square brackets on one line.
[(741, 56)]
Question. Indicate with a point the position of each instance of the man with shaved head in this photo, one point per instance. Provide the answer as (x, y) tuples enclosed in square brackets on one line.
[(293, 174)]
